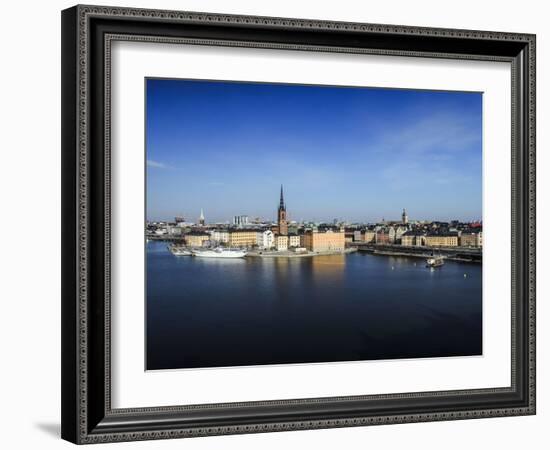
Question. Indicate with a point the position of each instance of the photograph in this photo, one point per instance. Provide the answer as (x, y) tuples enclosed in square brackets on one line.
[(299, 224), (276, 220)]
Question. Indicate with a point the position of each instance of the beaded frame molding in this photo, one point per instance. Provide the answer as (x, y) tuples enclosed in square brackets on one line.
[(87, 35)]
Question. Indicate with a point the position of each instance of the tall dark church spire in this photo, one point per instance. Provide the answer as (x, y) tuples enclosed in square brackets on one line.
[(281, 216)]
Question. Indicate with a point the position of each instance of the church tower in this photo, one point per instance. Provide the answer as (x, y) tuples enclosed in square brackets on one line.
[(281, 216), (201, 219), (404, 217)]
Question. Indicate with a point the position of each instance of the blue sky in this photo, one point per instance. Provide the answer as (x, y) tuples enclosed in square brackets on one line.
[(357, 154)]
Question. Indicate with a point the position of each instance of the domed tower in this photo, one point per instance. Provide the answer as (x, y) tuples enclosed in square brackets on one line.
[(404, 217), (281, 216)]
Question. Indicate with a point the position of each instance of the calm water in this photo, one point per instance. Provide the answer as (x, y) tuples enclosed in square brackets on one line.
[(214, 312)]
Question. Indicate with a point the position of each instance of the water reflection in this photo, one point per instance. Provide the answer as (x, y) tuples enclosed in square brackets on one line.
[(205, 312), (330, 267)]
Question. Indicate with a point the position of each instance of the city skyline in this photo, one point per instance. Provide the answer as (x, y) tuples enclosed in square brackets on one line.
[(252, 217), (356, 154)]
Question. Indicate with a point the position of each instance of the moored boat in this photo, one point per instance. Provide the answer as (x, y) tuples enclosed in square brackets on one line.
[(219, 253), (179, 251), (435, 261)]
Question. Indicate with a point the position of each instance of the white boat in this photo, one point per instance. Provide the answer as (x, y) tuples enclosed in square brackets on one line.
[(435, 261), (219, 253), (179, 251)]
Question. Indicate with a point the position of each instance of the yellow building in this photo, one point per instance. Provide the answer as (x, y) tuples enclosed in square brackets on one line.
[(369, 236), (470, 240), (293, 240), (442, 240), (330, 240), (196, 239), (281, 242), (242, 238), (408, 239)]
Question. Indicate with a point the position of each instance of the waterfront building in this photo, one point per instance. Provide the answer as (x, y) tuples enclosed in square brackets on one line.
[(220, 236), (382, 237), (293, 240), (471, 239), (404, 217), (413, 238), (281, 242), (408, 239), (243, 237), (322, 241), (240, 221), (420, 240), (399, 232), (265, 239), (442, 240), (174, 230), (391, 235), (357, 235), (282, 223), (202, 222), (369, 236), (196, 238)]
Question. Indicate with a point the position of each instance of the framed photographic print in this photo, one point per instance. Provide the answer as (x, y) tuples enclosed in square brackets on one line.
[(280, 224)]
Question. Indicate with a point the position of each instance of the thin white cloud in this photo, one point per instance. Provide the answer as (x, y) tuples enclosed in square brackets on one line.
[(156, 164), (433, 135)]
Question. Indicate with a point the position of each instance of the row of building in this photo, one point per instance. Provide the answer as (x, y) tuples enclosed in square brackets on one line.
[(420, 237), (314, 240), (284, 236)]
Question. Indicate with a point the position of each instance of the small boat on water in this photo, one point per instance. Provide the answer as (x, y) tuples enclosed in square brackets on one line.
[(179, 250), (435, 261), (219, 253)]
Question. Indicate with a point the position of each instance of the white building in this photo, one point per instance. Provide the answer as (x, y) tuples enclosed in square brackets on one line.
[(391, 233), (293, 240), (281, 242), (220, 236), (240, 221), (265, 239), (400, 231)]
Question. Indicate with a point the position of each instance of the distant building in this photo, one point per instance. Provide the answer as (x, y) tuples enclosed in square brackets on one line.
[(391, 235), (265, 239), (399, 232), (322, 241), (408, 239), (196, 238), (471, 239), (404, 217), (281, 242), (282, 223), (442, 240), (382, 237), (174, 230), (219, 235), (243, 238), (369, 236), (293, 240), (413, 238), (202, 222), (240, 221), (357, 236)]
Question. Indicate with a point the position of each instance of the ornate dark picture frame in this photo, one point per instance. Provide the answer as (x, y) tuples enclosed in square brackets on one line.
[(87, 34)]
